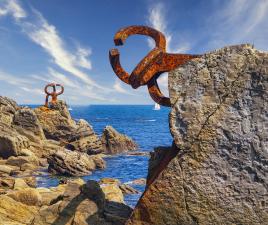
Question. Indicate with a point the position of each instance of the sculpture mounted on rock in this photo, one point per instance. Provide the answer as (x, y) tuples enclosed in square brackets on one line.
[(54, 94), (156, 62)]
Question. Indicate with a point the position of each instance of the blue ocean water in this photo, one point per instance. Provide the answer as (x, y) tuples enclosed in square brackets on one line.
[(148, 127)]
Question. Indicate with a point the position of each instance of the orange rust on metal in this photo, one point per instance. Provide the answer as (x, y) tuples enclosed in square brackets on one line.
[(114, 56), (54, 94), (156, 62), (159, 38)]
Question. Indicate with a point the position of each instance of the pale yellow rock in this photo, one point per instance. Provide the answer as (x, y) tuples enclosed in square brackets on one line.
[(15, 213), (20, 184), (6, 169), (28, 196), (49, 196), (112, 193)]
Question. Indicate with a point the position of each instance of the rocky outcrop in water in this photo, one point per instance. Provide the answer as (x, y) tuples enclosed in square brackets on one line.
[(71, 163), (115, 142), (25, 145), (219, 174), (34, 140), (58, 125)]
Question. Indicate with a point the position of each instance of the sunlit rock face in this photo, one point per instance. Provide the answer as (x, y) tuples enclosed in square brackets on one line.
[(115, 142), (219, 121), (58, 125)]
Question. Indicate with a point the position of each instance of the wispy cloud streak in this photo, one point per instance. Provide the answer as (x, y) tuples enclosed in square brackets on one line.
[(157, 19)]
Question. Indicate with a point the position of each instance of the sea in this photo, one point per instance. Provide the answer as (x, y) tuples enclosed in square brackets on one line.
[(149, 128)]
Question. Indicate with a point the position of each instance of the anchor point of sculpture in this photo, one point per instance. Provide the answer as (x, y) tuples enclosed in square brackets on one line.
[(156, 62)]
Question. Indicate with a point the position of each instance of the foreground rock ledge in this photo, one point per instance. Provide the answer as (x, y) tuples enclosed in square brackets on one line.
[(219, 120)]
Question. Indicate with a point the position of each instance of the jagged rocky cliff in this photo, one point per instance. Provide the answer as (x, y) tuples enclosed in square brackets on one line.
[(33, 141), (217, 171)]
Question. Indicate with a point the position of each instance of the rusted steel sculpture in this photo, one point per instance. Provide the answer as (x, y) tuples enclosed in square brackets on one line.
[(54, 94), (156, 62)]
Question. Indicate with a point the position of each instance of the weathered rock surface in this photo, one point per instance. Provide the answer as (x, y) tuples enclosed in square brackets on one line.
[(73, 203), (11, 143), (71, 163), (8, 108), (111, 189), (58, 125), (219, 123), (24, 142), (115, 142), (20, 131), (27, 120)]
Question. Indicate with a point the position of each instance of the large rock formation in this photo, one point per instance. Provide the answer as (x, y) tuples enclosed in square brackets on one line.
[(218, 119), (58, 125), (115, 142), (71, 163), (74, 203), (25, 143)]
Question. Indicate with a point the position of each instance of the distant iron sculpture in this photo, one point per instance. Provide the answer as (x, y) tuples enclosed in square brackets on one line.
[(156, 62), (54, 94)]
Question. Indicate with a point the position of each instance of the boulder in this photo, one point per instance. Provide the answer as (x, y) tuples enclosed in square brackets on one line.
[(16, 213), (115, 142), (111, 190), (56, 122), (6, 169), (85, 140), (71, 163), (7, 182), (58, 125), (218, 174), (11, 143), (21, 160), (27, 120), (80, 204), (20, 184), (27, 196), (117, 213), (75, 202), (8, 108)]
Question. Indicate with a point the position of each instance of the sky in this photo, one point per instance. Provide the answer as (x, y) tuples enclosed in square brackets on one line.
[(68, 42)]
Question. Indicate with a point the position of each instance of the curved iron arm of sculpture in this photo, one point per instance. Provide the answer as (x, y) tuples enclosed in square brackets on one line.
[(54, 94), (156, 62)]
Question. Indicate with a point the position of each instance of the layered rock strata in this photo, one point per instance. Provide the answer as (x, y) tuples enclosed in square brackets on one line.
[(115, 142)]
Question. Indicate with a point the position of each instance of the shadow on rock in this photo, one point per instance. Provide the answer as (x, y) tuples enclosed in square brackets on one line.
[(86, 204)]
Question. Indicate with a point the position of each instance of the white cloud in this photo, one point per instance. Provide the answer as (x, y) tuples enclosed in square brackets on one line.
[(82, 60), (118, 87), (11, 7), (57, 77), (71, 61), (237, 21), (46, 35), (157, 19), (33, 90), (13, 79)]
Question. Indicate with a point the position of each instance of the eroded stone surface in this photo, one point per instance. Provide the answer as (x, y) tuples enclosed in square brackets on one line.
[(115, 142), (58, 125), (219, 121), (71, 163)]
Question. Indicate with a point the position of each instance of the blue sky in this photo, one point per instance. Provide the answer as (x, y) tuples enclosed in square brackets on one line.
[(68, 42)]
